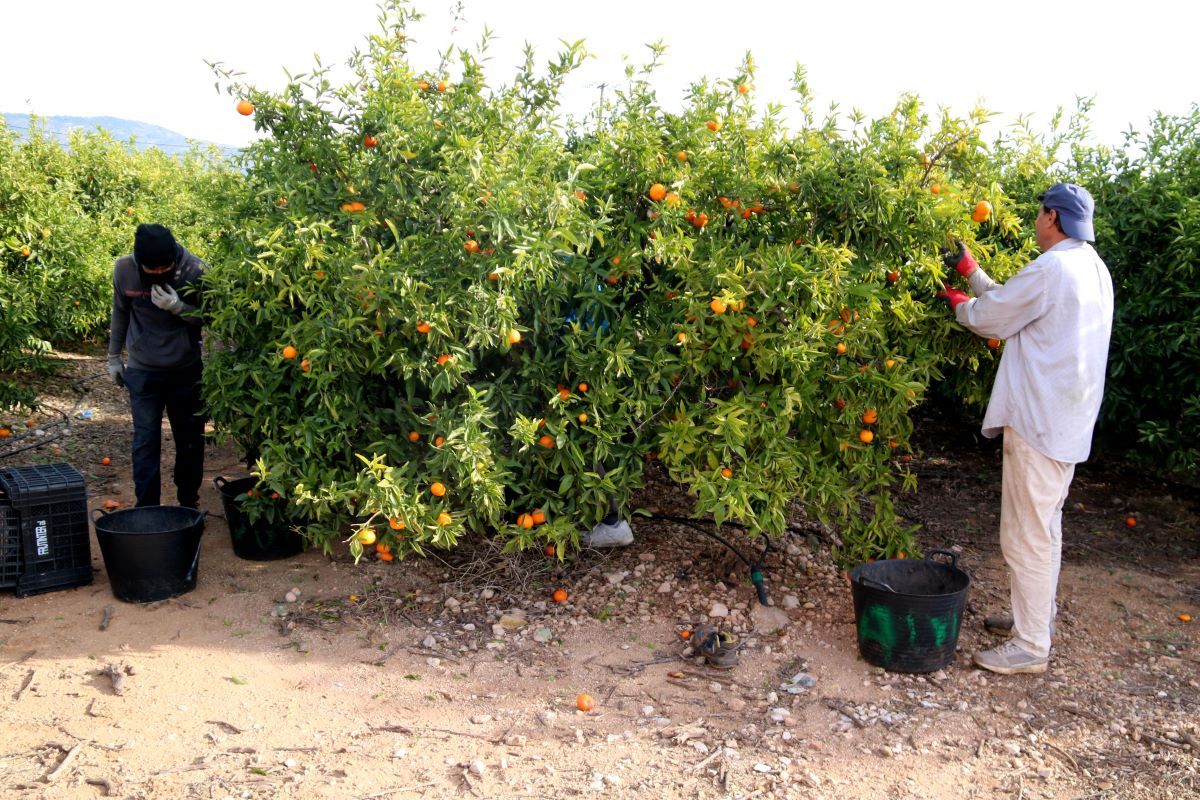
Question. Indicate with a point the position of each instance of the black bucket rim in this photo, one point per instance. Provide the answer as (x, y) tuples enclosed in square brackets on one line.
[(857, 577), (197, 515), (223, 483)]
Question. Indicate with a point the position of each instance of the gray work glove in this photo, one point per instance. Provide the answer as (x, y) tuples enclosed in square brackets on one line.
[(166, 298), (116, 370)]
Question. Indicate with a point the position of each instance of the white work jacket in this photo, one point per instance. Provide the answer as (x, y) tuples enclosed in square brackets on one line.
[(1055, 317)]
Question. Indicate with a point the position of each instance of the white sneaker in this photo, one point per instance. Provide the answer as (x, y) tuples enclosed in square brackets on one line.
[(605, 535), (1011, 659)]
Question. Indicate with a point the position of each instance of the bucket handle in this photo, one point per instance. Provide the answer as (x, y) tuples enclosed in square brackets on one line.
[(865, 581), (99, 511), (953, 558), (220, 481)]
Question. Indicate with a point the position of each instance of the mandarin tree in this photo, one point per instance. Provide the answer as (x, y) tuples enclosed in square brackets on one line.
[(729, 312)]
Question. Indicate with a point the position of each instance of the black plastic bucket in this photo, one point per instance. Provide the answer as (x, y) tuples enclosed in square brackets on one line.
[(150, 553), (261, 540), (908, 611)]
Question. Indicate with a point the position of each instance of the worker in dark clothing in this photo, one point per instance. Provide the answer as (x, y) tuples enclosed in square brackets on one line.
[(155, 318)]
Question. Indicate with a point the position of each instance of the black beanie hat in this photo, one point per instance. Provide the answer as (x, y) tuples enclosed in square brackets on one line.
[(153, 245)]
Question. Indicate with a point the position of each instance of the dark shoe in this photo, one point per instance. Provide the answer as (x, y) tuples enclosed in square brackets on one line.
[(1002, 624), (719, 648)]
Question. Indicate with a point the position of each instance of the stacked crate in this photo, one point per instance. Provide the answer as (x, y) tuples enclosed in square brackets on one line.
[(44, 542)]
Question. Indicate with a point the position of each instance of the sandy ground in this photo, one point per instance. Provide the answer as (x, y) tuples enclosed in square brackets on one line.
[(390, 680)]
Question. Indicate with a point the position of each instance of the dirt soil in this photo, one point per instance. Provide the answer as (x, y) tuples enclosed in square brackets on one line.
[(397, 680)]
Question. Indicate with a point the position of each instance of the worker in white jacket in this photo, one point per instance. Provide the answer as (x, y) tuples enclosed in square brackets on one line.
[(1055, 316)]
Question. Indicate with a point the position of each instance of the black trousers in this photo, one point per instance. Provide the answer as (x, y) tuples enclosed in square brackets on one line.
[(178, 392)]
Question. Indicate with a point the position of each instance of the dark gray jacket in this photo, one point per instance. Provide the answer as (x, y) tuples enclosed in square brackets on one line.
[(154, 338)]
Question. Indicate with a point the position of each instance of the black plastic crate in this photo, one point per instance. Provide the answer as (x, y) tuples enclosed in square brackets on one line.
[(10, 544), (49, 503)]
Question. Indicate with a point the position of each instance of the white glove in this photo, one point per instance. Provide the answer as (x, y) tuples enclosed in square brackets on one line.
[(116, 370), (163, 296)]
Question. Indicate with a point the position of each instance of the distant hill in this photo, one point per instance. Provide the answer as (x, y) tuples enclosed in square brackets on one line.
[(144, 135)]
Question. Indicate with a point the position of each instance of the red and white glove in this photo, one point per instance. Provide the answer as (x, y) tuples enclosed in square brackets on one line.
[(953, 296), (960, 259)]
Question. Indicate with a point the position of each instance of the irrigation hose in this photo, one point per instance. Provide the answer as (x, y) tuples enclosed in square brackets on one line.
[(78, 386), (755, 567)]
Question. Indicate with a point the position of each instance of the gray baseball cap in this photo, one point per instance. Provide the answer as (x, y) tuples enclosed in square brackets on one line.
[(1074, 206)]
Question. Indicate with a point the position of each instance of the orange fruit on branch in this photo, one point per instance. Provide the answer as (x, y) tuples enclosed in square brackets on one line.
[(546, 441), (245, 108), (396, 524), (983, 210), (471, 246), (444, 519), (514, 336), (538, 516), (865, 436), (365, 537), (413, 436), (289, 352), (437, 489), (370, 141), (657, 192), (870, 416), (718, 306)]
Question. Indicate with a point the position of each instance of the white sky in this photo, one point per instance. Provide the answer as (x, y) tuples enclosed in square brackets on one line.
[(144, 59)]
